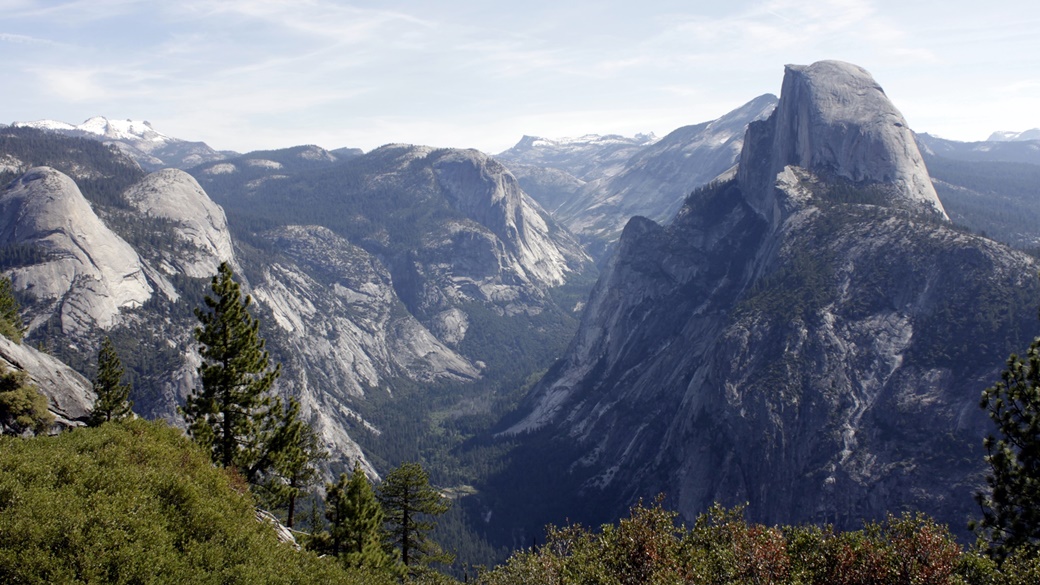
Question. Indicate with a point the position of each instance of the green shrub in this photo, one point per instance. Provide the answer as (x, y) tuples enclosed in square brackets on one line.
[(136, 502)]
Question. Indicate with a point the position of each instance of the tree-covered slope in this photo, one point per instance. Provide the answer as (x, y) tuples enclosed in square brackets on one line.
[(998, 198)]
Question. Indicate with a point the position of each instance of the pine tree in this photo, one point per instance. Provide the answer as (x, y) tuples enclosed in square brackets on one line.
[(407, 497), (1011, 508), (112, 395), (356, 522), (11, 325), (292, 450), (227, 414)]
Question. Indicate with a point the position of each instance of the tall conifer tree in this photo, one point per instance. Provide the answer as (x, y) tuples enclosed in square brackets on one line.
[(1011, 508), (112, 395), (356, 522), (409, 501), (227, 414), (291, 452)]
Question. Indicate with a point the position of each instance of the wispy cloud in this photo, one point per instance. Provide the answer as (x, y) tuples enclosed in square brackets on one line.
[(77, 12), (270, 70), (331, 20), (27, 40)]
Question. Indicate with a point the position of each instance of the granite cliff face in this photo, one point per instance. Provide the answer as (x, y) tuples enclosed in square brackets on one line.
[(336, 305), (197, 221), (453, 227), (85, 274), (810, 337), (836, 121), (70, 396)]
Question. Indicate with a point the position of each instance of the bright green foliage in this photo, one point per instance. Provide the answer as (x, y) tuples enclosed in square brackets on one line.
[(650, 548), (22, 406), (1011, 509), (135, 502), (356, 522), (112, 395), (226, 415), (11, 325), (290, 454), (408, 501)]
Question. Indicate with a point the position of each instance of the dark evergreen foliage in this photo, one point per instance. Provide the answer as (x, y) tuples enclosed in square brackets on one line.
[(409, 502), (11, 325), (356, 523), (101, 172), (113, 396), (1011, 507), (291, 455), (226, 415), (998, 199)]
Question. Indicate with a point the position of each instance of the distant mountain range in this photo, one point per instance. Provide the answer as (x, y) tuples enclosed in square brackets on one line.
[(1032, 134), (1026, 151), (594, 185), (795, 305), (151, 149)]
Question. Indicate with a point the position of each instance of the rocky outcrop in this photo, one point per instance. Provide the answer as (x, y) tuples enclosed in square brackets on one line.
[(812, 345), (86, 274), (197, 222), (833, 119), (70, 396), (341, 333), (337, 307), (484, 191), (452, 226)]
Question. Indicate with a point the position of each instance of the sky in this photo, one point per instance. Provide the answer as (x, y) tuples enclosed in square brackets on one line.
[(257, 74)]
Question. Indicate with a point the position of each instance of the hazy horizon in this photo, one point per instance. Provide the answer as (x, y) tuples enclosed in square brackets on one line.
[(254, 74)]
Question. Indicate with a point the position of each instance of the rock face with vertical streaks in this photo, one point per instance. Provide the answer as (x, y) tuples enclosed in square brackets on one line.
[(86, 274), (810, 337)]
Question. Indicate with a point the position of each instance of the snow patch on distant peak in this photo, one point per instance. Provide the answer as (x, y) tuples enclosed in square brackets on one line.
[(44, 125), (132, 130)]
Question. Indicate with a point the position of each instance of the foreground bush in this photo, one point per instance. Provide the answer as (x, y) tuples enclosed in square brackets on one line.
[(136, 502), (721, 548)]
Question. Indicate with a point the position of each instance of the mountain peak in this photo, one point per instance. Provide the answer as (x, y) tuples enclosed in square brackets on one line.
[(1009, 136), (103, 128), (833, 118), (151, 149)]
